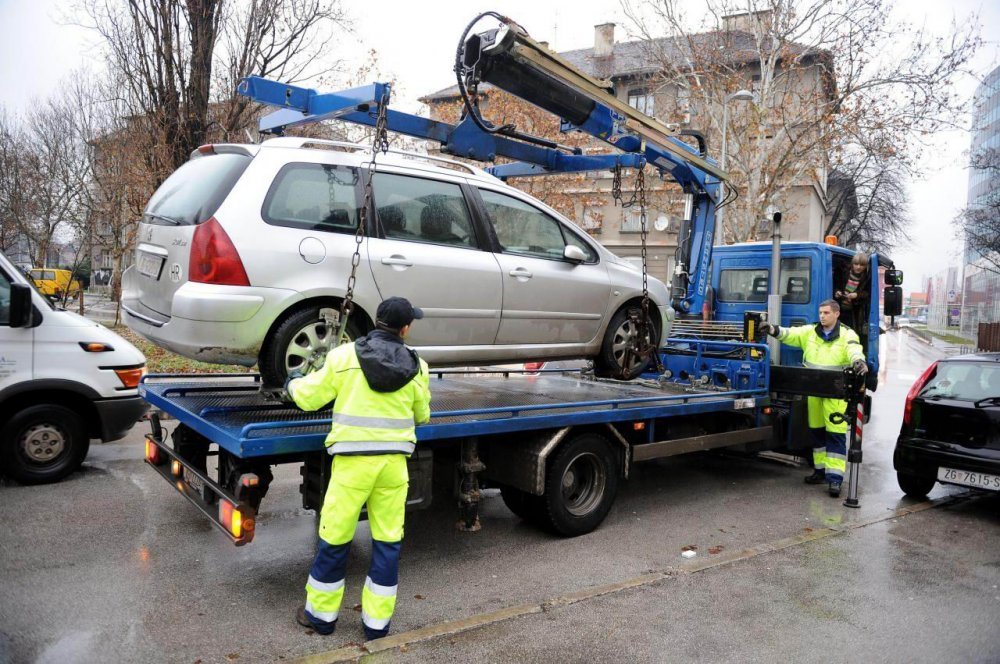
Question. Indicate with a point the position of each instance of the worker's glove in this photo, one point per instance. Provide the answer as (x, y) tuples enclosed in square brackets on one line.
[(772, 329), (284, 394), (860, 367)]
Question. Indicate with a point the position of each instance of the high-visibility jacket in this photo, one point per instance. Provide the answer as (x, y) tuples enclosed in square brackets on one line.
[(365, 421), (840, 350)]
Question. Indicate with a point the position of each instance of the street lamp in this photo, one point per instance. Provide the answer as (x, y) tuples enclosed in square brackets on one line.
[(739, 95)]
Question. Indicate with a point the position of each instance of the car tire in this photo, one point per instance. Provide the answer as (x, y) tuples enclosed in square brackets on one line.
[(581, 482), (915, 486), (302, 335), (43, 444), (608, 363), (524, 505)]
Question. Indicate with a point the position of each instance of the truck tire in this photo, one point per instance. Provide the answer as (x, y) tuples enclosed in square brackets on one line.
[(609, 363), (527, 506), (915, 486), (581, 482), (299, 343), (43, 443)]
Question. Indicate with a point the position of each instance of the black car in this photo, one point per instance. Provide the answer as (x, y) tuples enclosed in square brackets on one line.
[(951, 426)]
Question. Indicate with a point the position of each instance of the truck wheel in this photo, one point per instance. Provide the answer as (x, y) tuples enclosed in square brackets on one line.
[(581, 482), (43, 444), (611, 362), (523, 504), (299, 343), (915, 486)]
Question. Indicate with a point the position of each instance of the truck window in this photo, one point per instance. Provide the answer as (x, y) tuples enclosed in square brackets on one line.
[(743, 285), (4, 299), (795, 281), (317, 197)]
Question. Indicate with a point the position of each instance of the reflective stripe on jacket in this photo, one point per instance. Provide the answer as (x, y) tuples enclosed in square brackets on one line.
[(841, 350), (364, 421)]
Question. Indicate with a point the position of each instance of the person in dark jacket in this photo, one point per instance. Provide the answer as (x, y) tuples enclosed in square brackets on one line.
[(380, 389)]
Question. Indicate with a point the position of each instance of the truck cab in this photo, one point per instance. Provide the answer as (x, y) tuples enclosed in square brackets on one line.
[(810, 273)]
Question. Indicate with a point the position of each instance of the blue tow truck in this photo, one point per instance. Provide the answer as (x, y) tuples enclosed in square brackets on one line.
[(556, 443)]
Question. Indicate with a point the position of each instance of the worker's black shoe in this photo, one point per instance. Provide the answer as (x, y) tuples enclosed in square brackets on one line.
[(835, 489), (818, 477), (304, 620)]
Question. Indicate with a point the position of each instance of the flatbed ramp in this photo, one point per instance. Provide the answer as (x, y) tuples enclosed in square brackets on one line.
[(232, 412)]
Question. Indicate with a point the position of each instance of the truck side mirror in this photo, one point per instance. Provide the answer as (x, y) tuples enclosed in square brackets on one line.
[(20, 305), (893, 277), (892, 300)]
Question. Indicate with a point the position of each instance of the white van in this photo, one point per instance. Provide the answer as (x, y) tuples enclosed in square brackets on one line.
[(63, 381)]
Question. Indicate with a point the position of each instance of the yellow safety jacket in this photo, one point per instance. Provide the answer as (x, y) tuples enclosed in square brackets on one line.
[(841, 349), (365, 420)]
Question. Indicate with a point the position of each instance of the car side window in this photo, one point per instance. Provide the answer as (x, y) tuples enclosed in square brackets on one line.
[(523, 229), (4, 299), (420, 210), (319, 197)]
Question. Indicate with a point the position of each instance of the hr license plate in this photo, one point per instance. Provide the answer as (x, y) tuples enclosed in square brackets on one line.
[(967, 478), (149, 265), (194, 482)]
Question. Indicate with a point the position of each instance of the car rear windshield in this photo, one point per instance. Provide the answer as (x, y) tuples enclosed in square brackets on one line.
[(968, 381), (195, 190)]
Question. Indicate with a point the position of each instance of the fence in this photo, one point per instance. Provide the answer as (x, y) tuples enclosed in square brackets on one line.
[(989, 337)]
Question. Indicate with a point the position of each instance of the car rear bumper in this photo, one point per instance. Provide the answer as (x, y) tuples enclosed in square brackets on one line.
[(119, 415), (923, 458), (217, 324)]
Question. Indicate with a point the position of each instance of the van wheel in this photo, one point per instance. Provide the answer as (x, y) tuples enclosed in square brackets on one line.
[(299, 343), (581, 483), (43, 444), (915, 486), (611, 362)]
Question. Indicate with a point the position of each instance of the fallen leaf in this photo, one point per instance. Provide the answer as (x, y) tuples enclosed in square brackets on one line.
[(715, 549), (807, 529), (357, 607), (233, 656), (689, 547), (404, 648), (419, 597)]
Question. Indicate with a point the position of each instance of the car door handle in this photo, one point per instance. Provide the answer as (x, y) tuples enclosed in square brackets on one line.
[(520, 273), (397, 260)]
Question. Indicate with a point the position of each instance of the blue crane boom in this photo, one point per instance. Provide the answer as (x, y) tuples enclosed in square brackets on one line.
[(507, 58)]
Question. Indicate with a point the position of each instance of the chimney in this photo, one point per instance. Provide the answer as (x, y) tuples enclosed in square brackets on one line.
[(604, 40), (745, 21)]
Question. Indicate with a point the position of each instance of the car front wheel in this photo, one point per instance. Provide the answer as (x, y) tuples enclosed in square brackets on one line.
[(300, 343), (617, 359)]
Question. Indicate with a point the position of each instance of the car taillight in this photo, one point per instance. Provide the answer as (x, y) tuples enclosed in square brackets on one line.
[(214, 259), (925, 377)]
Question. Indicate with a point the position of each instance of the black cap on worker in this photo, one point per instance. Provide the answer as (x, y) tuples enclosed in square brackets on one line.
[(396, 313)]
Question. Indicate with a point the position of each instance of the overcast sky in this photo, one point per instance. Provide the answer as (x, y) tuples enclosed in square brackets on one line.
[(416, 45)]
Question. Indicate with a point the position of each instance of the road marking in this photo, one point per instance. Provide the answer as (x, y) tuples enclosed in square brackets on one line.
[(351, 653)]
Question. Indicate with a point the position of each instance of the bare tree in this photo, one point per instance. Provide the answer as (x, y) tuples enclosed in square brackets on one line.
[(178, 61), (826, 82), (867, 203), (980, 222)]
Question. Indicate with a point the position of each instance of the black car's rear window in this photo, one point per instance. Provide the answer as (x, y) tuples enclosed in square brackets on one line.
[(967, 381), (195, 190)]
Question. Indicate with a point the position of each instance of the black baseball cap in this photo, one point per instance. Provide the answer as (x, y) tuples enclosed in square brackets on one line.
[(396, 313)]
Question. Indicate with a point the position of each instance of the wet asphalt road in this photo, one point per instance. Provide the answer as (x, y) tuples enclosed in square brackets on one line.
[(113, 565)]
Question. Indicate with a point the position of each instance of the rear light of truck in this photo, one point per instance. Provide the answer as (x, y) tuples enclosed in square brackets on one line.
[(233, 520), (214, 259), (154, 454), (925, 378), (130, 377)]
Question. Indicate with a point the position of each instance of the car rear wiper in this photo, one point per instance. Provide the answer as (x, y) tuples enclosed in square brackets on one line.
[(988, 402), (171, 220)]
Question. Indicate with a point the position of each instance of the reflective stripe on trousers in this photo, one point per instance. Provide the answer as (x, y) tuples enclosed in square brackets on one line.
[(830, 453)]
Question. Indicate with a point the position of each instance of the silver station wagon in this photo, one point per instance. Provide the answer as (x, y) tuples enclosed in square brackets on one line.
[(243, 252)]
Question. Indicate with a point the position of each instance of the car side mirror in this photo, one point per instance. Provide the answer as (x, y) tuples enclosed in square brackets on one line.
[(574, 254), (892, 300), (20, 305)]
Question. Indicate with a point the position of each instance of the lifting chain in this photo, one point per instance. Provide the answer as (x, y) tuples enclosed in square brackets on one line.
[(380, 143), (641, 323)]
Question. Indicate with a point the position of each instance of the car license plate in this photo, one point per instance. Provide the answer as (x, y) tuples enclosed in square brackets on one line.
[(967, 478), (150, 264)]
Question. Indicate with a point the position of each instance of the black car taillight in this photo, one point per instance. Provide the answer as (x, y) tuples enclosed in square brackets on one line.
[(925, 377)]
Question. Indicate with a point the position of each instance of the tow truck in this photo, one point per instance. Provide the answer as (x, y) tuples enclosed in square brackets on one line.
[(556, 443)]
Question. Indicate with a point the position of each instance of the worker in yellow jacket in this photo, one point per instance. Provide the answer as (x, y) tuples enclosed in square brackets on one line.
[(380, 389), (827, 345)]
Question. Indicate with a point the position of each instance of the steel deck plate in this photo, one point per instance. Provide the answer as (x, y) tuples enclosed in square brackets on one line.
[(231, 411)]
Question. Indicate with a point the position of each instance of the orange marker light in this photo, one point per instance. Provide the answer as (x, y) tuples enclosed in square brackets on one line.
[(831, 240), (231, 518), (131, 377), (638, 426), (175, 468), (153, 453), (96, 347)]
